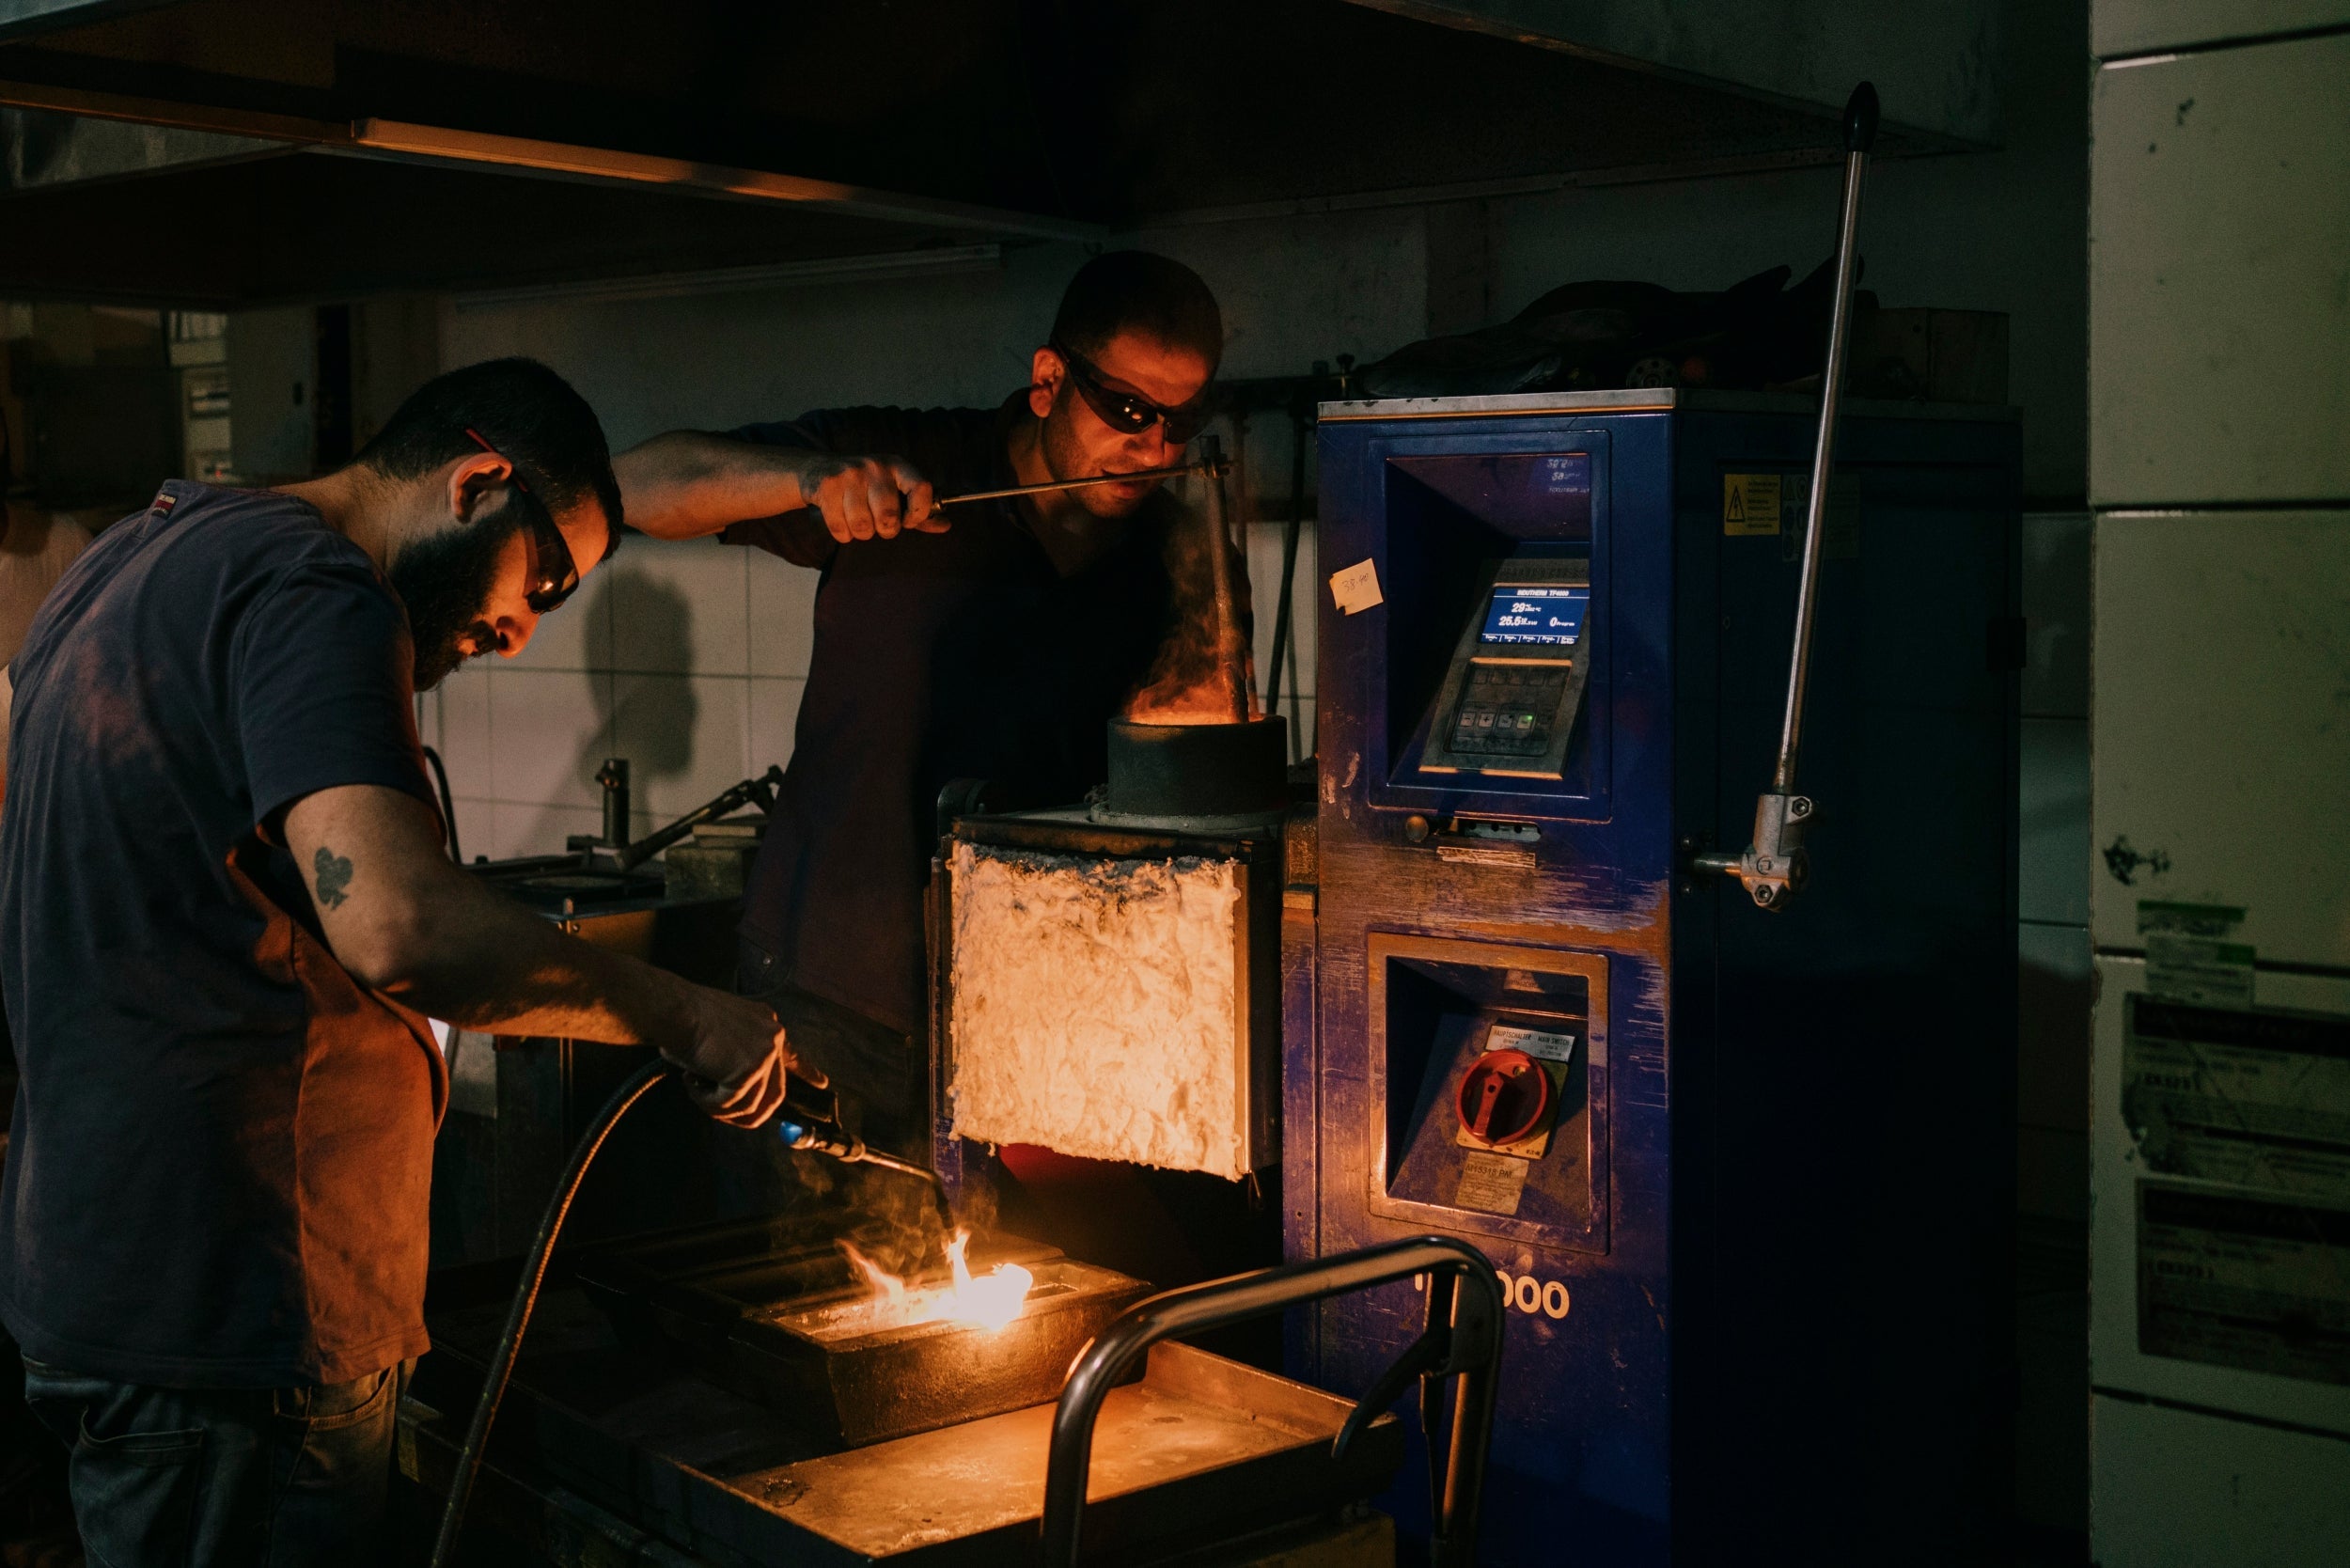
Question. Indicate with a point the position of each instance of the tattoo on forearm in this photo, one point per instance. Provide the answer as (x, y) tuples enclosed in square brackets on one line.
[(333, 876)]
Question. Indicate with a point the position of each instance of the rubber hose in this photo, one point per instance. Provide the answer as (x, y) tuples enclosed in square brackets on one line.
[(525, 1299), (449, 807)]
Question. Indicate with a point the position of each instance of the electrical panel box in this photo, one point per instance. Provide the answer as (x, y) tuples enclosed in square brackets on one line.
[(1748, 1177)]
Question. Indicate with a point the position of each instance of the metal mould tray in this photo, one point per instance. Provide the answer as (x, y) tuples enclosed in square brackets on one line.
[(857, 1385), (1199, 1452), (763, 1310), (1201, 1449)]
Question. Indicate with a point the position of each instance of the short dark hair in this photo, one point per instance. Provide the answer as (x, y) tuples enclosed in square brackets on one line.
[(528, 413), (1133, 290)]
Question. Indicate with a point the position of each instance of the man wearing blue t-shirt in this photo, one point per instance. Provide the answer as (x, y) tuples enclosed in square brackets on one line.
[(224, 914)]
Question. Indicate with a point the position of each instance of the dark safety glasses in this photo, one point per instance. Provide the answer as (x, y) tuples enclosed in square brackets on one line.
[(1131, 411), (552, 576)]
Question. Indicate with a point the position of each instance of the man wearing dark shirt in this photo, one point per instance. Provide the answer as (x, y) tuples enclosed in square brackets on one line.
[(992, 642), (225, 913)]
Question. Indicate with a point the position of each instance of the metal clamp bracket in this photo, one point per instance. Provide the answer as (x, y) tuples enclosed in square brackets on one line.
[(1775, 868)]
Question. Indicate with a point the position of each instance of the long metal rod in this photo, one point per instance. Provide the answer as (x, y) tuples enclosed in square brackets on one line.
[(1823, 454), (1281, 620), (1232, 659), (1051, 485), (630, 856), (1199, 1308)]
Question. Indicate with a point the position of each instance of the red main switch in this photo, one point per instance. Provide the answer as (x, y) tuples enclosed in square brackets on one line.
[(1505, 1097)]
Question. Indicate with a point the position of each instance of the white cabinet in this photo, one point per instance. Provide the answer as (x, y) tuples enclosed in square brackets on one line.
[(2219, 320), (2176, 1488), (2219, 730), (2141, 26)]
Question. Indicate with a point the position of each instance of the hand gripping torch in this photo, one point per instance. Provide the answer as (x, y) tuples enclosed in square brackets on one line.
[(809, 1122)]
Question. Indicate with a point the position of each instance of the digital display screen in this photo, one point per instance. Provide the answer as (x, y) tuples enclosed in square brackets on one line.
[(1548, 615)]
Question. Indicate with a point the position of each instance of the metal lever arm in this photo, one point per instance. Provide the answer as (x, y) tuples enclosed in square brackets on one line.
[(1426, 1354), (1231, 656), (760, 789), (1774, 866), (1475, 1351)]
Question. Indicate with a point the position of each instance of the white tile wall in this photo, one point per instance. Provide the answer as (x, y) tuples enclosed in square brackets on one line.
[(782, 615), (2053, 821), (2222, 727), (2054, 977), (2056, 615), (682, 609), (2219, 320), (2053, 868), (1297, 672), (520, 828), (652, 662), (577, 636), (775, 709), (2175, 1488), (686, 737), (550, 729), (2136, 26)]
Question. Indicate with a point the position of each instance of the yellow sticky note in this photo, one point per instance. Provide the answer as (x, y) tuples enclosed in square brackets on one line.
[(1749, 504), (1356, 589)]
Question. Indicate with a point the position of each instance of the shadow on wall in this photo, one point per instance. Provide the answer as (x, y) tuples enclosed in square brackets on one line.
[(647, 717)]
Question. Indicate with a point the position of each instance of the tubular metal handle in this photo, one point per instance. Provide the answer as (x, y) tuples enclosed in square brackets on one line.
[(1475, 1352), (760, 789), (1231, 657), (1776, 865)]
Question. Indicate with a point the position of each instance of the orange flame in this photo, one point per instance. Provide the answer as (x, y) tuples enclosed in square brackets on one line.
[(1208, 703), (986, 1301), (1194, 677), (990, 1302), (885, 1285)]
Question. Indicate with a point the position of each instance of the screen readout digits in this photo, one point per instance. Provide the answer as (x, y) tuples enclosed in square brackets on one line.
[(1546, 615)]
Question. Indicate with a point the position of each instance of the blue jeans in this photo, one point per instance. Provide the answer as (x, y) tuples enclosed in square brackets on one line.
[(194, 1478)]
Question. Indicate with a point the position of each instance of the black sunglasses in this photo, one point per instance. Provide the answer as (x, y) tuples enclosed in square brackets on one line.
[(1131, 411), (552, 576)]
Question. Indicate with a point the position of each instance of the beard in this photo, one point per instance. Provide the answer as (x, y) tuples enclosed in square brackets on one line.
[(444, 581), (1065, 459)]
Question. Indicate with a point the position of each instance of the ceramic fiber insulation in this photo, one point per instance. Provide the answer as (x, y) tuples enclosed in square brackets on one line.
[(1095, 1010)]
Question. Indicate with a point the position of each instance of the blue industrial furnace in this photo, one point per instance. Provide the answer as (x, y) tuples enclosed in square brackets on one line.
[(1748, 1177)]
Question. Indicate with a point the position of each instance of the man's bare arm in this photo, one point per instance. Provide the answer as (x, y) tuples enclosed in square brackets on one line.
[(689, 483), (403, 919)]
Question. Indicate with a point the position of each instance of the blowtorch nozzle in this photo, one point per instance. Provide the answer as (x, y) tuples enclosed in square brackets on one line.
[(810, 1122), (818, 1139)]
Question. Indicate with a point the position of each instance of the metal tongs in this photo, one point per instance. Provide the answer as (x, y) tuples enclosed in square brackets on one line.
[(1213, 465), (1775, 866)]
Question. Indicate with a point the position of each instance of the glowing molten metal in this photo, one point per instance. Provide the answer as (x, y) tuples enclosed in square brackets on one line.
[(986, 1301)]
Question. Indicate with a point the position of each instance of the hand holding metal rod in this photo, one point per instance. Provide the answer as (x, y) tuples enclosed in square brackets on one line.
[(1213, 465), (1774, 866)]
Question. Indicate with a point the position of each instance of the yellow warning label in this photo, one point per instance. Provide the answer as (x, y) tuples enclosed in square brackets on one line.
[(1750, 504)]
